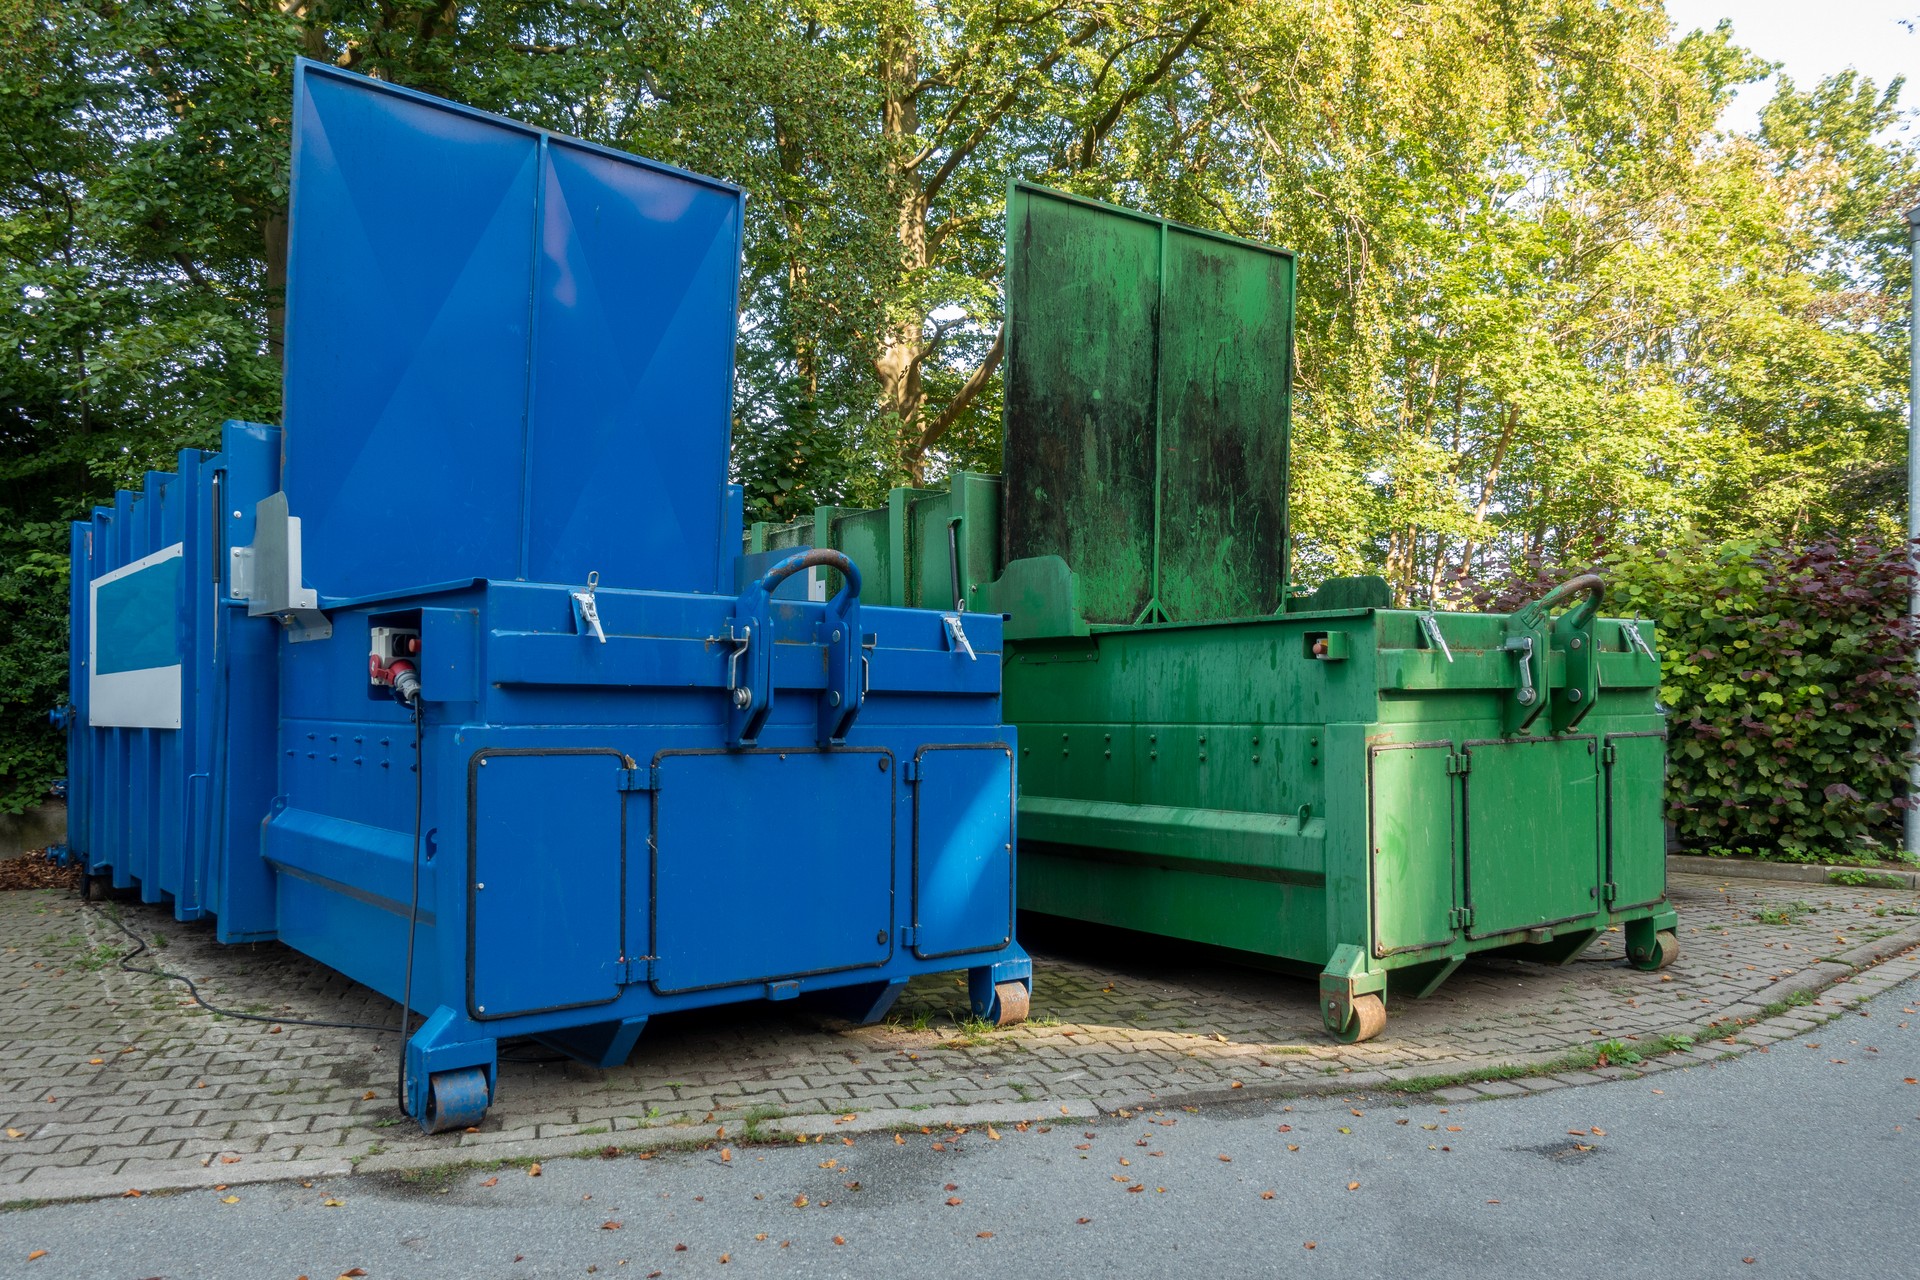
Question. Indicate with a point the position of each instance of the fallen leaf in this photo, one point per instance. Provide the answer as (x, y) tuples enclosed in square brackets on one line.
[(229, 1199), (1266, 1195), (229, 1159), (491, 1182), (1597, 1131), (679, 1248), (1357, 1113), (1312, 1245), (954, 1201), (16, 1133), (369, 1096), (836, 1240), (725, 1258), (1285, 1128), (951, 1186), (1353, 1186), (1344, 1129), (993, 1135), (1083, 1221), (1236, 1085), (533, 1170), (828, 1164), (1217, 1036), (38, 1254), (1137, 1187), (353, 1273), (1224, 1159), (95, 1061), (333, 1204), (899, 1140), (799, 1202), (761, 1236), (726, 1155), (611, 1225), (939, 1146), (1429, 1126), (131, 1194), (1454, 1128), (1493, 1202), (983, 1235), (1124, 1160), (1748, 1261)]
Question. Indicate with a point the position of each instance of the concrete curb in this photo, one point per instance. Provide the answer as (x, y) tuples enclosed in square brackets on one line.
[(1791, 872)]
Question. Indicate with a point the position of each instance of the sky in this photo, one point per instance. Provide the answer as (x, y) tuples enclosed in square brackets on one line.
[(1814, 39)]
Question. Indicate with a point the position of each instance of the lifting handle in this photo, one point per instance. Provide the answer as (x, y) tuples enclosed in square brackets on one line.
[(1592, 584), (816, 558)]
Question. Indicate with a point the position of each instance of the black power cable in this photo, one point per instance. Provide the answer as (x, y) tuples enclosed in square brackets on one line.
[(140, 947), (413, 907)]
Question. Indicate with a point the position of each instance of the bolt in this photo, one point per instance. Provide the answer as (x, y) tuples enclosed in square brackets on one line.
[(835, 637), (1574, 643), (833, 695), (881, 937), (742, 698), (477, 885)]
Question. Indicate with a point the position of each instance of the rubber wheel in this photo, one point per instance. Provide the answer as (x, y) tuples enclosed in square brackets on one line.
[(1369, 1020), (1013, 999), (455, 1100), (1665, 950)]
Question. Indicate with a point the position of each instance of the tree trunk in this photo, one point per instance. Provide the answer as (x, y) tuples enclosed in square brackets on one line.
[(901, 343)]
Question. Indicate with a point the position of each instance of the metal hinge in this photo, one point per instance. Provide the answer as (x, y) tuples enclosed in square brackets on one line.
[(1459, 917), (909, 771), (1458, 762), (909, 935), (1606, 754), (1610, 891), (639, 779)]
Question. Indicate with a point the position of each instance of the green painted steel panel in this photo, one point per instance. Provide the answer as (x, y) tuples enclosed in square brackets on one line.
[(1410, 819), (1147, 392), (1226, 351), (1083, 292), (1636, 818), (1532, 832)]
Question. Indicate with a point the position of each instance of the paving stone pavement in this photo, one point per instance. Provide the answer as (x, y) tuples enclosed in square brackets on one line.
[(110, 1079)]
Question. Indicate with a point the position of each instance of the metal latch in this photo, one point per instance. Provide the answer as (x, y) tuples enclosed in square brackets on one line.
[(1430, 624), (739, 694), (586, 613), (1522, 647), (957, 636), (1636, 640)]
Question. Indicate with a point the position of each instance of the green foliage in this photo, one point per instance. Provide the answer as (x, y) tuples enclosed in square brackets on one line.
[(1547, 311), (1789, 677)]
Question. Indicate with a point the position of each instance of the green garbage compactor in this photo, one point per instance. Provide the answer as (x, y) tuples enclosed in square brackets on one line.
[(1310, 779)]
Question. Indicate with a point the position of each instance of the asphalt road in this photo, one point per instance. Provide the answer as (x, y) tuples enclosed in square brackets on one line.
[(1801, 1161)]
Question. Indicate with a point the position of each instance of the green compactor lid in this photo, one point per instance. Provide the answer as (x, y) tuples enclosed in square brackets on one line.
[(1148, 375)]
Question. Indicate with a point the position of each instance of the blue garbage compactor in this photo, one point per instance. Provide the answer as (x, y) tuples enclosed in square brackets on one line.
[(460, 662)]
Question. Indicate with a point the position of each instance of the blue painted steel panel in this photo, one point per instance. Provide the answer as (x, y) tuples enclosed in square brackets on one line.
[(633, 373), (963, 850), (771, 864), (545, 859), (498, 339)]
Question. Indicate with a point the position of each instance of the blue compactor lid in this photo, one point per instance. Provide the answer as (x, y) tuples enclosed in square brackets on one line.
[(509, 353)]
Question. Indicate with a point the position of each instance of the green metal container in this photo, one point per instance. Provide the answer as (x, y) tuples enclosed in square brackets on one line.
[(1314, 779)]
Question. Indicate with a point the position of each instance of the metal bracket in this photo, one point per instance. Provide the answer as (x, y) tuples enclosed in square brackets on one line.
[(1430, 623), (957, 641), (586, 612), (1522, 648), (271, 568), (1631, 630), (909, 771), (637, 779)]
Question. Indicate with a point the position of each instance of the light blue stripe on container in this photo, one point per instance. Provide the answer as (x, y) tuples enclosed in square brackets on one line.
[(137, 619)]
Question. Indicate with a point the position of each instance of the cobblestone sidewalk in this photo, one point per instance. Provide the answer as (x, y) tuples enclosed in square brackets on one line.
[(111, 1080)]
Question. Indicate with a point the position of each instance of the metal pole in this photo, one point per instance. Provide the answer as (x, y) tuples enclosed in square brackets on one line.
[(1913, 492)]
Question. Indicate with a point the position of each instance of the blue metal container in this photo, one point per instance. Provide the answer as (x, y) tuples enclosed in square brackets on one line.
[(462, 665)]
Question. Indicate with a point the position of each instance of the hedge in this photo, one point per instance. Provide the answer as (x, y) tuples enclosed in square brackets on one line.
[(1790, 683)]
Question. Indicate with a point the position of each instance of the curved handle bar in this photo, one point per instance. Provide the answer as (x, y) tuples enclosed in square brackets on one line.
[(1591, 583), (818, 558)]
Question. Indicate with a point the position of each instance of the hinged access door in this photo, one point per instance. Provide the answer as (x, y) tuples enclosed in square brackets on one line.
[(770, 864), (545, 843), (1411, 818), (962, 850), (1636, 776), (1532, 832)]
